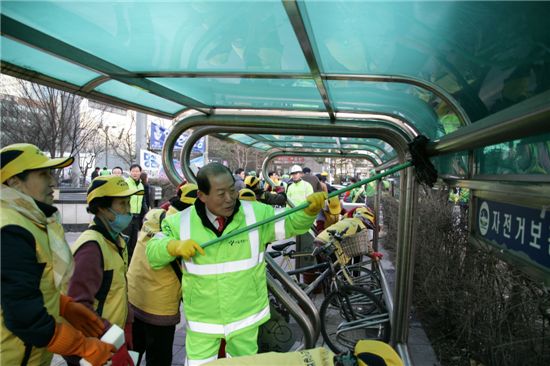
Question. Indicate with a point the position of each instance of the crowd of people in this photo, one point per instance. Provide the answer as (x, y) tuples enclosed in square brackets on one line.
[(134, 264)]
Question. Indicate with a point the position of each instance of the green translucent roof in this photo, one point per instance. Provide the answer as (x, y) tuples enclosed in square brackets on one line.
[(435, 66)]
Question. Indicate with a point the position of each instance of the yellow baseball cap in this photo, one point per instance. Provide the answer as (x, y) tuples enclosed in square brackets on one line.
[(251, 181), (374, 353), (334, 205), (110, 186), (324, 174), (189, 193), (247, 194), (18, 158)]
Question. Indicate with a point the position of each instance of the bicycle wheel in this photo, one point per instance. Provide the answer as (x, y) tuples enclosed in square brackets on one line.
[(361, 276), (350, 314)]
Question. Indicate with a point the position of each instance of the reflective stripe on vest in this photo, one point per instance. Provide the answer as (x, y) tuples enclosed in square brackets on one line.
[(280, 232), (212, 328), (225, 267)]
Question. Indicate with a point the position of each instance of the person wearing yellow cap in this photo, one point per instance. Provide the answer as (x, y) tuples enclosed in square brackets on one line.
[(247, 195), (224, 284), (101, 257), (269, 198), (362, 219), (155, 295), (37, 320), (330, 214)]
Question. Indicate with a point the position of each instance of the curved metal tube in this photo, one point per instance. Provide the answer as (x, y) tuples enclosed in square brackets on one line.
[(306, 153), (380, 126), (297, 313), (311, 311)]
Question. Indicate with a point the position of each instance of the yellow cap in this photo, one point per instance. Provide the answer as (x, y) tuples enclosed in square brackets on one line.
[(334, 205), (247, 194), (110, 186), (370, 353), (324, 174), (189, 193), (251, 181), (18, 158)]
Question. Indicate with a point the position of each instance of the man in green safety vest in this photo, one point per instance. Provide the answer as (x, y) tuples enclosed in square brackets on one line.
[(137, 208), (224, 287)]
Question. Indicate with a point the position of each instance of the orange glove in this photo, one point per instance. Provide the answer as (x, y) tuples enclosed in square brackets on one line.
[(67, 341), (184, 248), (122, 357), (316, 202), (80, 317)]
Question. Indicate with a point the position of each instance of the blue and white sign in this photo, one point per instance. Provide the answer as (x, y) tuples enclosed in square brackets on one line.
[(523, 231), (158, 135), (150, 162)]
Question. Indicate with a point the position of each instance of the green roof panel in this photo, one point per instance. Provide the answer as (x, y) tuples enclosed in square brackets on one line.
[(29, 58)]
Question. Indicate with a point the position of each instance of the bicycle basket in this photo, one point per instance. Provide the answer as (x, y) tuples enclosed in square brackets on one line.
[(356, 245)]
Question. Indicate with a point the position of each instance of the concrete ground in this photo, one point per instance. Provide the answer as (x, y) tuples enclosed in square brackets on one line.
[(420, 347)]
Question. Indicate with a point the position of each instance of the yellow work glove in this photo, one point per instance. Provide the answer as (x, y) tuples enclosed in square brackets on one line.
[(184, 248), (316, 203)]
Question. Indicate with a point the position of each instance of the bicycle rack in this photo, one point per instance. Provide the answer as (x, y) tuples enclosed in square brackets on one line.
[(309, 319)]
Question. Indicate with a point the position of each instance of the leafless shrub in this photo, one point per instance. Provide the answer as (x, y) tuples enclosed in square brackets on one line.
[(476, 308)]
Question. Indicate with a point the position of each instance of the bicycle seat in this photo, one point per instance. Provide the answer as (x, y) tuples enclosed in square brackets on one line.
[(274, 254), (279, 247)]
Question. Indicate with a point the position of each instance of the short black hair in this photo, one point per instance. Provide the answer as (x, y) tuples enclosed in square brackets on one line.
[(211, 170), (96, 203), (306, 170), (270, 174), (239, 170), (135, 166), (117, 167)]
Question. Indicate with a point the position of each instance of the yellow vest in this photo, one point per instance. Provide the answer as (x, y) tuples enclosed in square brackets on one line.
[(136, 201), (156, 292), (111, 302), (12, 349)]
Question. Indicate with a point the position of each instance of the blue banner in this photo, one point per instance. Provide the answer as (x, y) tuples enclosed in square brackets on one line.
[(524, 231), (158, 135)]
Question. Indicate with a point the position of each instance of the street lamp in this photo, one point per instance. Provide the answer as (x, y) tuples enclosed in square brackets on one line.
[(106, 129)]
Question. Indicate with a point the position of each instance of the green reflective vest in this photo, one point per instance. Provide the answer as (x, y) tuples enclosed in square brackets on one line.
[(225, 290), (136, 201)]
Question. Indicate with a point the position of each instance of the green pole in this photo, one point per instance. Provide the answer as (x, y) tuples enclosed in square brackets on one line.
[(306, 204)]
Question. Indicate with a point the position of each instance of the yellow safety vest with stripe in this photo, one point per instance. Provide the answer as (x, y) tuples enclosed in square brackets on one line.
[(13, 348), (298, 191), (225, 289), (136, 201), (156, 292), (111, 301)]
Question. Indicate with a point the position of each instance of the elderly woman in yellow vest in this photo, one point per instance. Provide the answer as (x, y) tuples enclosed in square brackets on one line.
[(101, 256), (225, 290), (155, 295), (37, 320)]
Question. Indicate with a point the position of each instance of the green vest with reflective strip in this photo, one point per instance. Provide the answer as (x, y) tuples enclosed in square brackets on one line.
[(136, 201), (111, 301), (225, 289), (12, 347), (298, 191)]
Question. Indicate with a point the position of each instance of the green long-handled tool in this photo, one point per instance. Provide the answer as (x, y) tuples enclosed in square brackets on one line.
[(306, 204), (425, 172)]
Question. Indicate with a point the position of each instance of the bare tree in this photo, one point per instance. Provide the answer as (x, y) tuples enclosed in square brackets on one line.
[(48, 118), (123, 143)]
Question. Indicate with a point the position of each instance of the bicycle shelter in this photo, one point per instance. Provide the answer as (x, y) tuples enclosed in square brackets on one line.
[(358, 79)]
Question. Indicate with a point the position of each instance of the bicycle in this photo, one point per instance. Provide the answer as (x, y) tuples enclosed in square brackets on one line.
[(354, 312)]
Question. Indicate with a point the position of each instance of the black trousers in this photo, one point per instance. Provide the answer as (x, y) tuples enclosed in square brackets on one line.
[(155, 340), (132, 232)]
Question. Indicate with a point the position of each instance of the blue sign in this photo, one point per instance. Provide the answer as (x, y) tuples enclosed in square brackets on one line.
[(158, 135), (523, 231)]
